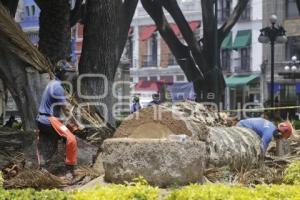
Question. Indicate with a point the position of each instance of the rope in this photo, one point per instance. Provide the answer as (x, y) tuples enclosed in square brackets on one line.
[(263, 109)]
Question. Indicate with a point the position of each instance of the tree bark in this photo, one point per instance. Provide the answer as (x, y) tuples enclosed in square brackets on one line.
[(55, 32), (14, 75), (11, 5), (298, 5), (76, 12), (99, 53), (24, 84), (105, 33)]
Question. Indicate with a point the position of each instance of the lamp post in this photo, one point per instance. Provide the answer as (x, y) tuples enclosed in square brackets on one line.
[(272, 34), (216, 55), (292, 69)]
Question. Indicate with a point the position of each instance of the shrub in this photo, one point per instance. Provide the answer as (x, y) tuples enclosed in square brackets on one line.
[(292, 173), (29, 194), (137, 191), (218, 192), (141, 191), (1, 180)]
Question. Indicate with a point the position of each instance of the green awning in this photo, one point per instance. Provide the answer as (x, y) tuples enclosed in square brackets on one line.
[(227, 42), (239, 80), (242, 39)]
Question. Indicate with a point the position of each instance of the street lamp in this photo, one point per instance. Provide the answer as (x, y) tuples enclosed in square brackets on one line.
[(292, 66), (272, 34), (292, 69)]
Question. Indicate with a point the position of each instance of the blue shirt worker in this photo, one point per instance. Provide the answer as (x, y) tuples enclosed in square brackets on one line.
[(51, 128), (155, 100), (136, 104), (266, 129)]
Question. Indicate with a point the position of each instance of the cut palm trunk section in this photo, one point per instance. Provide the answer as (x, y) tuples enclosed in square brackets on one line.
[(225, 146)]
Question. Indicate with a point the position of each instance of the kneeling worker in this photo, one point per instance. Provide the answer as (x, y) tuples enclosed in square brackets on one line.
[(266, 129), (50, 127)]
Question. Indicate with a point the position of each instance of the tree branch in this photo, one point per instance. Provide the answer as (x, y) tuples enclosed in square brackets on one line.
[(39, 3), (11, 5), (75, 14), (173, 8), (208, 27), (231, 21), (180, 51), (298, 5)]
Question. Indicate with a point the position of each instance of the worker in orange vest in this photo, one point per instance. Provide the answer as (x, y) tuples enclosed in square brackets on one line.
[(51, 129)]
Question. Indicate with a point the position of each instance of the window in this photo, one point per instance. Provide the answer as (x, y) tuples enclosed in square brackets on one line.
[(246, 15), (291, 9), (27, 11), (153, 78), (287, 93), (153, 47), (293, 47), (225, 6), (33, 10), (150, 60), (245, 59), (167, 79), (226, 60), (129, 50), (143, 78), (180, 78)]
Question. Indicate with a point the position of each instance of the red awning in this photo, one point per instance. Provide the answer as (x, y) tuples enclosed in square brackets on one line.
[(148, 86), (147, 32), (193, 25)]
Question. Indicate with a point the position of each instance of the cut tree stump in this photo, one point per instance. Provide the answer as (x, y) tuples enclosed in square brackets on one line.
[(161, 162), (14, 142)]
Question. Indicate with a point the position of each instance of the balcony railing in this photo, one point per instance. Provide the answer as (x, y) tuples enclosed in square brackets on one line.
[(185, 6), (149, 61), (242, 70)]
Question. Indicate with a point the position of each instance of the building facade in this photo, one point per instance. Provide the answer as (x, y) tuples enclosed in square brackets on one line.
[(287, 88), (240, 53), (28, 17)]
